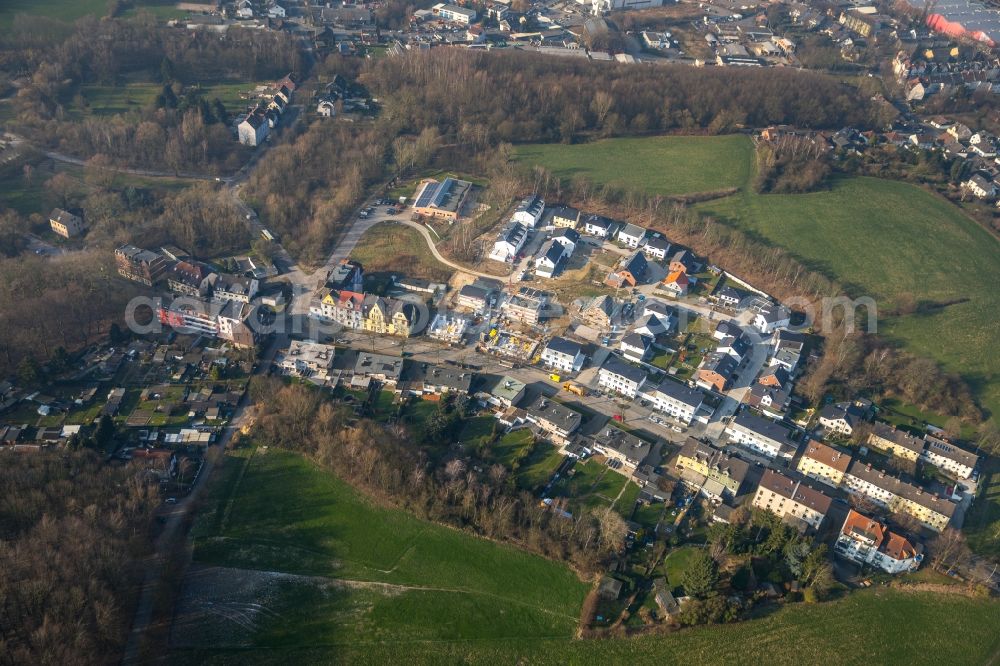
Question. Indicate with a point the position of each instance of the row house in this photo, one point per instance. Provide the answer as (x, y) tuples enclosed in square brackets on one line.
[(899, 496), (717, 474), (824, 463), (139, 265), (792, 500)]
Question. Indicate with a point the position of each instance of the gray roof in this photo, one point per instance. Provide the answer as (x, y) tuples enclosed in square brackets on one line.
[(628, 445), (559, 415), (632, 230), (764, 427), (900, 488), (564, 346), (681, 392), (629, 372)]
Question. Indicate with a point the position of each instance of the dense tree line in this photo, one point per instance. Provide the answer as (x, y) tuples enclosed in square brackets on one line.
[(790, 165), (418, 471), (71, 530), (482, 99), (47, 303)]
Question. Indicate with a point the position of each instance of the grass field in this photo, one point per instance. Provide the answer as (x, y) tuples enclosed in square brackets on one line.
[(385, 575), (105, 100), (397, 249), (885, 238), (872, 626), (878, 237), (982, 523), (664, 165), (71, 10)]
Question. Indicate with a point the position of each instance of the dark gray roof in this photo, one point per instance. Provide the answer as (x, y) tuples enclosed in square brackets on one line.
[(629, 372), (681, 392), (764, 427), (564, 346)]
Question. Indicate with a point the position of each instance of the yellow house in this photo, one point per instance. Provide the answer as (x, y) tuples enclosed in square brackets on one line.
[(931, 511), (824, 463), (565, 217), (896, 442), (389, 318)]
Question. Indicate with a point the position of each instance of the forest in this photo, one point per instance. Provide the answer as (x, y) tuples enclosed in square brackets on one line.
[(70, 547)]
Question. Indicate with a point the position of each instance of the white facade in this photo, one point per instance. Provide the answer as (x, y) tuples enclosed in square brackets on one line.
[(617, 381), (563, 355), (675, 399)]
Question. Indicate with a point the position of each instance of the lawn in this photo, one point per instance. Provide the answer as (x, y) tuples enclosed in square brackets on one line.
[(676, 562), (668, 165), (538, 467), (982, 523), (512, 446), (881, 626), (883, 239), (70, 10), (104, 100), (406, 579), (399, 250)]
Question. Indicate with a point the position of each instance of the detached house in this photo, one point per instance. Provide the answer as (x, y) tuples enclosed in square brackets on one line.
[(716, 371), (630, 272), (618, 445), (597, 225), (554, 418), (568, 238), (980, 187), (602, 312), (683, 261), (730, 297), (762, 436), (550, 260), (617, 377), (772, 318), (509, 242), (253, 130), (631, 235), (66, 224), (675, 399), (677, 283), (563, 354), (657, 247), (867, 541), (636, 347), (841, 417), (565, 217)]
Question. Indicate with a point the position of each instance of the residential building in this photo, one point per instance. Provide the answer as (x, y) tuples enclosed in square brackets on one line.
[(562, 354), (475, 297), (448, 327), (795, 502), (771, 318), (737, 346), (565, 217), (630, 271), (381, 367), (254, 128), (526, 306), (236, 324), (597, 225), (550, 260), (509, 242), (454, 13), (347, 275), (636, 347), (677, 283), (504, 392), (656, 247), (761, 435), (682, 261), (602, 312), (529, 211), (867, 541), (824, 463), (186, 278), (439, 379), (66, 224), (899, 496), (631, 235), (235, 288), (730, 297), (554, 418), (568, 238), (841, 418), (774, 376), (616, 444), (442, 200), (620, 378), (896, 442), (651, 325), (307, 359), (139, 265), (716, 473), (675, 399), (716, 371), (772, 402), (386, 316), (954, 461)]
